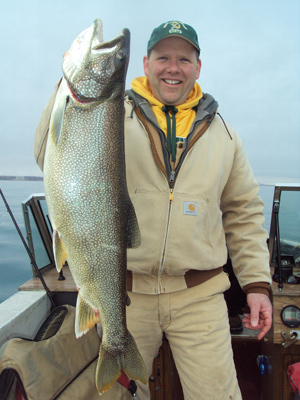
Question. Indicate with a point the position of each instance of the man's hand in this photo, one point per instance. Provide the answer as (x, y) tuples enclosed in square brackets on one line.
[(260, 316)]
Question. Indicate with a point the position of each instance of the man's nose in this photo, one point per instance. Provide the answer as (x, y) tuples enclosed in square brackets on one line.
[(173, 66)]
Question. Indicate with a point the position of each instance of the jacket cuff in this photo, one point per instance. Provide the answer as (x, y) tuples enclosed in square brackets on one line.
[(258, 287)]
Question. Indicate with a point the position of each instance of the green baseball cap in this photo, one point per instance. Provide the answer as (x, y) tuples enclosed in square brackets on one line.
[(173, 28)]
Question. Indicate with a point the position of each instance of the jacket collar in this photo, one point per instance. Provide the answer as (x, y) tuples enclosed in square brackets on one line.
[(205, 109)]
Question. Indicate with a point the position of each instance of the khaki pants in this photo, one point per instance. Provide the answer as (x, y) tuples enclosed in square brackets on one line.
[(195, 322)]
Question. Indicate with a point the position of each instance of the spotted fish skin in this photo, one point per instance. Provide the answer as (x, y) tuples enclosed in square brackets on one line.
[(85, 186)]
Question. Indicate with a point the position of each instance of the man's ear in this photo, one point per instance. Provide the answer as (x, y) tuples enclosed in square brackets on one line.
[(146, 65), (198, 68)]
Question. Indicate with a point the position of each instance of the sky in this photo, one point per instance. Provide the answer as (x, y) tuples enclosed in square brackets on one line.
[(250, 53)]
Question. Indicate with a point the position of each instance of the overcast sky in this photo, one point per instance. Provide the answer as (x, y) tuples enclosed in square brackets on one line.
[(250, 52)]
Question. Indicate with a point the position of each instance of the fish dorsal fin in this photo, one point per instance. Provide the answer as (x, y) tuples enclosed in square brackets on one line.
[(57, 118), (133, 231)]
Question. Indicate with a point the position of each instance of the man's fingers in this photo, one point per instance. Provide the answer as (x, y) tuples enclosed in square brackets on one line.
[(264, 330), (254, 319), (263, 325)]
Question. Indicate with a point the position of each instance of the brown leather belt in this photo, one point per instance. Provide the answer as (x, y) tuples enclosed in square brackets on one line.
[(193, 277)]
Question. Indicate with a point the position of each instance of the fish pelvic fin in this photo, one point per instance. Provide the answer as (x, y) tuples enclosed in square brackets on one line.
[(111, 363), (59, 251), (133, 230), (86, 316), (57, 118)]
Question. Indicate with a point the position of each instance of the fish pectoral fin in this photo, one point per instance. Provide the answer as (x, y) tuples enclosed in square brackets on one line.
[(110, 364), (86, 316), (59, 251), (133, 230), (57, 118)]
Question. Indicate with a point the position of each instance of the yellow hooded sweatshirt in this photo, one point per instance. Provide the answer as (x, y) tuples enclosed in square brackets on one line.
[(184, 116)]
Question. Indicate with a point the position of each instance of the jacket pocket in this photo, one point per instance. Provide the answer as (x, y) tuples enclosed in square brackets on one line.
[(196, 238)]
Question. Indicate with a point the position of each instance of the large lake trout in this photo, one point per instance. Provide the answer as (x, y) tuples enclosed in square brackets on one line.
[(92, 216)]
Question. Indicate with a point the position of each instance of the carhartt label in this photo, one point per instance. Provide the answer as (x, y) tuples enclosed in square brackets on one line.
[(190, 208)]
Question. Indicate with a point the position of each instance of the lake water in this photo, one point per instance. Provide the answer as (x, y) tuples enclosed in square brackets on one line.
[(15, 266)]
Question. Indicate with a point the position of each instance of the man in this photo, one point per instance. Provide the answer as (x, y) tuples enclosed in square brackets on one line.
[(195, 196)]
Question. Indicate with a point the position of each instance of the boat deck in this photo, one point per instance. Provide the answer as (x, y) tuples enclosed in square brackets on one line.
[(51, 277)]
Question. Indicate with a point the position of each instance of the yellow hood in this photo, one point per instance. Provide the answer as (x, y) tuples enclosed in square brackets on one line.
[(185, 114)]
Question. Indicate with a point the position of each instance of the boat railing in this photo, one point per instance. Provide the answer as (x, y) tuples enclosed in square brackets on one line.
[(284, 238), (38, 231)]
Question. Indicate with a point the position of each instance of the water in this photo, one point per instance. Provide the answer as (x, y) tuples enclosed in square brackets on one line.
[(15, 266)]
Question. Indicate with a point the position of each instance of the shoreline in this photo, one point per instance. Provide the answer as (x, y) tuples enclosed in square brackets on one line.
[(20, 178)]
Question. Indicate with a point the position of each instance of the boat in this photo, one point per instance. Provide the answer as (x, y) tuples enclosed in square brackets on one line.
[(264, 373)]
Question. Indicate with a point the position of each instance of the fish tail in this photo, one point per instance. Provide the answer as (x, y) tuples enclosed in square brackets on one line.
[(133, 364), (86, 316), (110, 365)]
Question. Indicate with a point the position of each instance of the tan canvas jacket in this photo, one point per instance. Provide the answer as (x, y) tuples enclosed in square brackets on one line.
[(213, 205), (41, 132)]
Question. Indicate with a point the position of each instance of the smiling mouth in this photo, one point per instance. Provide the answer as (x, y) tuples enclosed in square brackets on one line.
[(171, 82)]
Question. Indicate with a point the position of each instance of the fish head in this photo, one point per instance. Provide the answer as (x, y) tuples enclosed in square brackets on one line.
[(94, 69)]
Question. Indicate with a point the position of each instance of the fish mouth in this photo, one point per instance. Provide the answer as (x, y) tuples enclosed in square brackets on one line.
[(119, 45), (99, 45)]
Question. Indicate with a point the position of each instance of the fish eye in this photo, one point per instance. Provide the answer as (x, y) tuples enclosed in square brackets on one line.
[(120, 55)]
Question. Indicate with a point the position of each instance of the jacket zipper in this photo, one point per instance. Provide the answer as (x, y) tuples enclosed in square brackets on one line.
[(172, 177), (171, 198)]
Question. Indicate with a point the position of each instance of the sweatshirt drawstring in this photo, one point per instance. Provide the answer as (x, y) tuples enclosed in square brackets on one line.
[(171, 137)]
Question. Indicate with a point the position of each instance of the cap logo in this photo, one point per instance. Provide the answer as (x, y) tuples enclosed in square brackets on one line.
[(175, 26)]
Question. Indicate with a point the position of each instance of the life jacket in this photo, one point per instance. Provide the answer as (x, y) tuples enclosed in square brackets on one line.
[(55, 365)]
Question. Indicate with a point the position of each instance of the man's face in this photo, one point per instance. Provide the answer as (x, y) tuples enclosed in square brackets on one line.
[(172, 69)]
